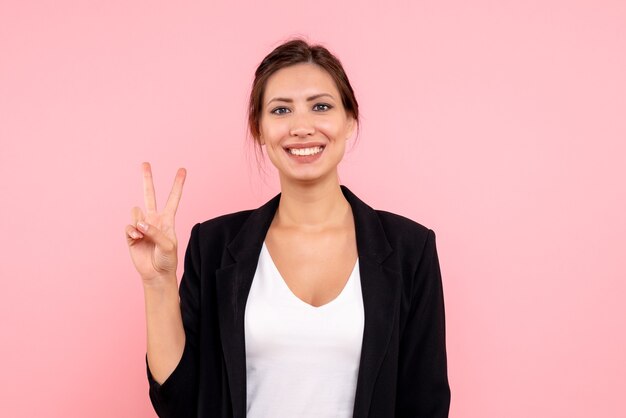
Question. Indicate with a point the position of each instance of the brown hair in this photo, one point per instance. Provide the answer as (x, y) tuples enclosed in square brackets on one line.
[(292, 52)]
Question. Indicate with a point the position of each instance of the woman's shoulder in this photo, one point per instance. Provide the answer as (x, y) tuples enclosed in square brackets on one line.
[(400, 224), (406, 234), (226, 223), (395, 225)]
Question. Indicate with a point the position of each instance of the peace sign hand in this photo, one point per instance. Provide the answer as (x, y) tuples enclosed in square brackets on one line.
[(151, 237)]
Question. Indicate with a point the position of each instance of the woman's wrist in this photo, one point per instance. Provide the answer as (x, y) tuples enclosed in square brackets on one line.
[(160, 284)]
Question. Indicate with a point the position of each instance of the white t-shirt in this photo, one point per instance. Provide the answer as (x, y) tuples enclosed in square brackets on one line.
[(301, 361)]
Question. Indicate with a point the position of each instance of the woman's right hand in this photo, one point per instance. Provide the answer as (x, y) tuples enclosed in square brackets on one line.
[(153, 248)]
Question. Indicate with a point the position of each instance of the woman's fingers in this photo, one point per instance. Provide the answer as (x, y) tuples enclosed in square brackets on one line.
[(177, 190), (148, 188), (132, 233), (150, 235), (156, 235)]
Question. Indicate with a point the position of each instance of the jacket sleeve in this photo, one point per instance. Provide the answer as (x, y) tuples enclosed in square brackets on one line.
[(423, 389), (177, 395)]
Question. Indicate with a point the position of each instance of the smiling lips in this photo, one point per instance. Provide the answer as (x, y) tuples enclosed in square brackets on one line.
[(305, 151)]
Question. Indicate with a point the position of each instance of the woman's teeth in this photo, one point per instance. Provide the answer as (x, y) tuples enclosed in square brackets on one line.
[(305, 151)]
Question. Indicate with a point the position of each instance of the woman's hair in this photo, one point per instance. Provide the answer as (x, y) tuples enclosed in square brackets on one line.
[(293, 52)]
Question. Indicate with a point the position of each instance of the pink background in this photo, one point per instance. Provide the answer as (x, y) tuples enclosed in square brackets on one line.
[(506, 119)]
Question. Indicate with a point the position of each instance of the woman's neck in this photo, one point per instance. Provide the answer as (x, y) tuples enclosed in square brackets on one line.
[(312, 206)]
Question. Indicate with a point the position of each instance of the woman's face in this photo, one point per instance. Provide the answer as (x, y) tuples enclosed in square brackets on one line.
[(303, 124)]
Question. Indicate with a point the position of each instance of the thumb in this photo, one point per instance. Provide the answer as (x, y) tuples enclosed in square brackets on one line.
[(156, 235)]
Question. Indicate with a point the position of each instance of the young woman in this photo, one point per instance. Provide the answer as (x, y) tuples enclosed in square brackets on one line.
[(312, 305)]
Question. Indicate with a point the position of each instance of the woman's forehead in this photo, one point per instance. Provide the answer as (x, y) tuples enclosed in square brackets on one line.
[(300, 81)]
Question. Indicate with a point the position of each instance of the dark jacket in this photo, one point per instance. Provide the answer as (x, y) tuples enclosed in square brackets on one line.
[(403, 371)]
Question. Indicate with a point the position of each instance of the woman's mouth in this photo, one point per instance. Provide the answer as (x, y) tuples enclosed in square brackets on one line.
[(305, 151), (305, 155)]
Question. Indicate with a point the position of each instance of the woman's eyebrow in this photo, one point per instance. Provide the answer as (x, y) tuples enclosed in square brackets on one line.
[(284, 99)]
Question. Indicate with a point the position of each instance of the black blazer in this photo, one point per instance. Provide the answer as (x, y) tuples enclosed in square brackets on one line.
[(403, 371)]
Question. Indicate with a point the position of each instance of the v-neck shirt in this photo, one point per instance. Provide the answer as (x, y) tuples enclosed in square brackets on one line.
[(301, 360)]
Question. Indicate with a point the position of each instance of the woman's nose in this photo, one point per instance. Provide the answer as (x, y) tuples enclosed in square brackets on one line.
[(301, 125)]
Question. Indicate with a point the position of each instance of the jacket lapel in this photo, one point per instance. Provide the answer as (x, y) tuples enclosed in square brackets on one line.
[(380, 287)]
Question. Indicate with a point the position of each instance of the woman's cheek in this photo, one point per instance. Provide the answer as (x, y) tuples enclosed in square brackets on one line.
[(272, 133), (278, 130), (329, 125)]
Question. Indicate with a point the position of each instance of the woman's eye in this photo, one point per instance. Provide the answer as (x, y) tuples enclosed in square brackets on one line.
[(322, 106), (279, 110)]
